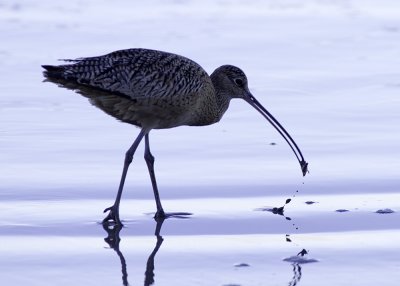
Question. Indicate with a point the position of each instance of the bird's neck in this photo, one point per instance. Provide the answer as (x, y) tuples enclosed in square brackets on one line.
[(222, 103), (222, 98)]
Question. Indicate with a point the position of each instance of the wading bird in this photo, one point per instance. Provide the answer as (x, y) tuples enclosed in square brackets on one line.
[(157, 90)]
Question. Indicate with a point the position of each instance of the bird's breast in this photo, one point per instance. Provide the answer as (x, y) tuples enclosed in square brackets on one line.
[(196, 109)]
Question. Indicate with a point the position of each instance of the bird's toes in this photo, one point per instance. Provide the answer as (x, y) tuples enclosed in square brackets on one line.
[(112, 217), (160, 215)]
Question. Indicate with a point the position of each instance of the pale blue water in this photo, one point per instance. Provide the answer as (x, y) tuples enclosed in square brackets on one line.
[(328, 70)]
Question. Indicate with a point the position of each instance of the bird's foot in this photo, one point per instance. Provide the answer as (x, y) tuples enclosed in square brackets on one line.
[(112, 217), (161, 215)]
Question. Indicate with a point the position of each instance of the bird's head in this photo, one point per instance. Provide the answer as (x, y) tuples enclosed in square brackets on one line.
[(231, 82)]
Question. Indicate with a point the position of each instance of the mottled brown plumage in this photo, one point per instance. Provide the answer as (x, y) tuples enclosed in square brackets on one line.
[(147, 88), (156, 90)]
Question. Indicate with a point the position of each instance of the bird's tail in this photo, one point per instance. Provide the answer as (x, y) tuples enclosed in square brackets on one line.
[(53, 72), (60, 76)]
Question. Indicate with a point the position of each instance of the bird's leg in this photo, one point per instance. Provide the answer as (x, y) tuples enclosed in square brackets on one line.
[(113, 215), (150, 164)]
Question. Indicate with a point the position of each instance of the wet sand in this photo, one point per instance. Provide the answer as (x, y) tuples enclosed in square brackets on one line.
[(328, 70), (227, 241)]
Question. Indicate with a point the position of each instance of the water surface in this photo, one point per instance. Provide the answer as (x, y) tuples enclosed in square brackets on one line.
[(328, 70)]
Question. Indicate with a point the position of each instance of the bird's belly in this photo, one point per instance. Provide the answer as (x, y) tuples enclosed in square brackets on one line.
[(149, 113)]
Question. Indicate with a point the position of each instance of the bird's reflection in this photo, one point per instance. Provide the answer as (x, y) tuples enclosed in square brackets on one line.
[(113, 239), (296, 261), (149, 274), (296, 274)]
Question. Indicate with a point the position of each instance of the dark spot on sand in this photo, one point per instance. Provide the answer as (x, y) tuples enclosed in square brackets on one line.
[(341, 210), (385, 211), (309, 202), (272, 143), (242, 265)]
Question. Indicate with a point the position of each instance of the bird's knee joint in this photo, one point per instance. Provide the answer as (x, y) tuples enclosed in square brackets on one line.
[(149, 157)]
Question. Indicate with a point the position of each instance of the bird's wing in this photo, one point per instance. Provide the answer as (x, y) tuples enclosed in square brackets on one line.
[(133, 73)]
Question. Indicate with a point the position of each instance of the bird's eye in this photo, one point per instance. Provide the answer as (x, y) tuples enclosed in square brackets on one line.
[(239, 82)]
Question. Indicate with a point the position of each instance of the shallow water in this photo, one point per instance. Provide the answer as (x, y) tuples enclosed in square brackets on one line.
[(328, 70), (61, 242)]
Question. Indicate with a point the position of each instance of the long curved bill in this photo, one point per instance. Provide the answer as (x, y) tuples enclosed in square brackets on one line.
[(254, 102)]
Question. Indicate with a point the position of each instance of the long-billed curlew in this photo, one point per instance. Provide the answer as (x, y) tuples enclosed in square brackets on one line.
[(156, 90)]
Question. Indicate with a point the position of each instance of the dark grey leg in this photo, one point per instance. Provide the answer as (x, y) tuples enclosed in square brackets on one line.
[(113, 215), (150, 164)]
